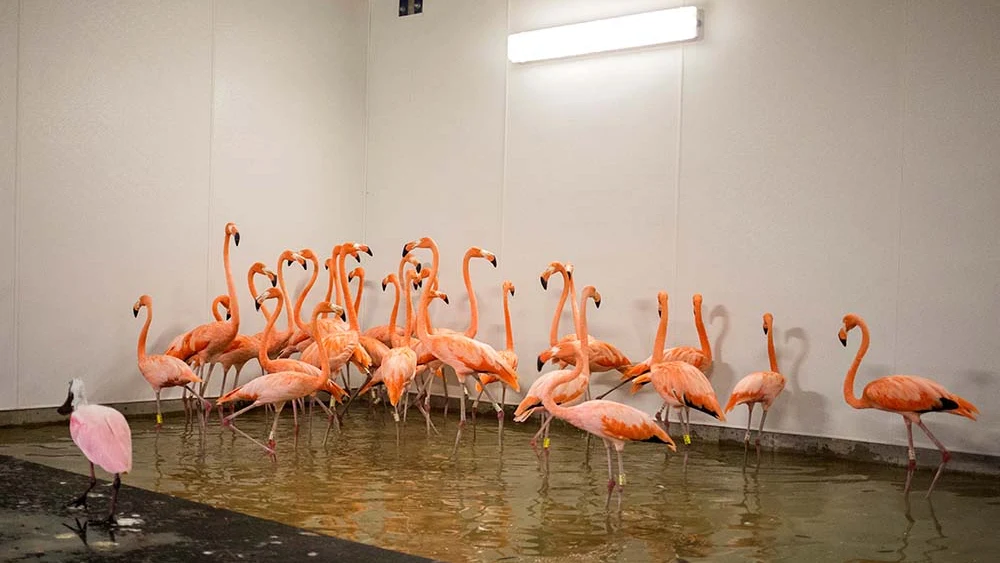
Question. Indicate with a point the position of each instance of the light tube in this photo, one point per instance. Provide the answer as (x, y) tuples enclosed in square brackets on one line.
[(612, 34)]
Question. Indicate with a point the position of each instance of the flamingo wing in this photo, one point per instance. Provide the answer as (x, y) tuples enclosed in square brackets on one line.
[(909, 393), (103, 435)]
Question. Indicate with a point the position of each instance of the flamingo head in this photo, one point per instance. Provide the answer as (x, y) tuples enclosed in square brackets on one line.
[(387, 280), (258, 268), (232, 231), (850, 321), (422, 242), (358, 272), (591, 292), (327, 307), (414, 261), (269, 293), (435, 294), (74, 398), (144, 301), (508, 286), (768, 322), (661, 302)]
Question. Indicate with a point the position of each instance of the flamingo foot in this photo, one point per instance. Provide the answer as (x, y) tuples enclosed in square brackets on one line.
[(79, 501)]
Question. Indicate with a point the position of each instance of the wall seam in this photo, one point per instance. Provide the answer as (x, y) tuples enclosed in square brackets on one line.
[(677, 177), (506, 143), (16, 293), (211, 159), (904, 107), (364, 133)]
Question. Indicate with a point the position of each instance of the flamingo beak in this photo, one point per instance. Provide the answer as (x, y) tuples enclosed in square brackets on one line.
[(257, 305), (843, 341), (493, 260), (343, 316), (445, 299), (512, 292), (419, 266), (273, 278), (545, 282), (597, 303), (369, 252), (135, 312), (289, 262), (383, 286), (540, 363), (229, 315), (236, 239)]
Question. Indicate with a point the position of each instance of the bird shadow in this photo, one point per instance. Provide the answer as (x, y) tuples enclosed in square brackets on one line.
[(804, 405), (722, 375)]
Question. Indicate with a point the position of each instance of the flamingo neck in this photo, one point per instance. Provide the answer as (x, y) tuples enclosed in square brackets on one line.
[(423, 320), (141, 347), (408, 330), (582, 366), (216, 303), (395, 311), (506, 321), (849, 395), (352, 315), (324, 374), (284, 293), (554, 332), (253, 290), (661, 331), (361, 288), (262, 357), (234, 302), (301, 299), (770, 348), (706, 346), (473, 304)]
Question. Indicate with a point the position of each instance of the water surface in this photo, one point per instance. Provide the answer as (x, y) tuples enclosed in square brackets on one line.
[(499, 503)]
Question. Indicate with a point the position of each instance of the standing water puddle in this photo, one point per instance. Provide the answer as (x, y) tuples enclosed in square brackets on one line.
[(492, 503)]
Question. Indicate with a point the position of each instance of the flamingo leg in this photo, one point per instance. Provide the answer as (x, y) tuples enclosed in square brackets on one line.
[(461, 420), (236, 377), (685, 414), (611, 476), (444, 383), (274, 425), (621, 470), (427, 418), (746, 437), (222, 390), (207, 405), (159, 413), (295, 416), (615, 388), (911, 455), (666, 418), (760, 430), (117, 484), (945, 455), (82, 499)]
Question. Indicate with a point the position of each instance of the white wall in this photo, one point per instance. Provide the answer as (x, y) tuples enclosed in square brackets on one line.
[(804, 159), (141, 128)]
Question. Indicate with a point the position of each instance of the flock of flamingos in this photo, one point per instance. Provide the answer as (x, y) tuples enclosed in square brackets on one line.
[(397, 355)]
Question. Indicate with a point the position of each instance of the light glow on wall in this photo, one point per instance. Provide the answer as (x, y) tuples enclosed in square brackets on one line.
[(612, 34)]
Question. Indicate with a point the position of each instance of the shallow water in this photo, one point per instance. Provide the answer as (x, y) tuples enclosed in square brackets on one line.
[(494, 503)]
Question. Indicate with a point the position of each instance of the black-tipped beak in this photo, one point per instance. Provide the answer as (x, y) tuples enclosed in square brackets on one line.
[(493, 261), (236, 239), (228, 315), (445, 299), (843, 341), (357, 258), (545, 283), (383, 286), (765, 329), (419, 266), (256, 305), (274, 281), (540, 363), (289, 263), (369, 252), (512, 292), (305, 265), (66, 407), (135, 313), (569, 274), (405, 251), (343, 316), (659, 313), (597, 304)]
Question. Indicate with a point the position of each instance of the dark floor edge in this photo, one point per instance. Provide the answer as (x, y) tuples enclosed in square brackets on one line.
[(35, 525)]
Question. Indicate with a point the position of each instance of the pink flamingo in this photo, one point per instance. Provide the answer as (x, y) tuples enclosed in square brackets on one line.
[(103, 435), (906, 395), (381, 332), (244, 347), (202, 345), (613, 422), (278, 388), (700, 358), (679, 383), (508, 354), (465, 355), (161, 370), (220, 301), (760, 387)]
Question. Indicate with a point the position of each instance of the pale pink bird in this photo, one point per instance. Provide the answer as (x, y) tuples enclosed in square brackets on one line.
[(278, 388), (906, 395), (679, 384), (162, 371), (103, 435), (613, 422), (760, 387)]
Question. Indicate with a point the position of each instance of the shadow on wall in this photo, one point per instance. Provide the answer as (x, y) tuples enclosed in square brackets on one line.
[(722, 375), (802, 406)]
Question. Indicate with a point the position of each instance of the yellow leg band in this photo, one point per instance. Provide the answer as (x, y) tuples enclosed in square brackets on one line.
[(621, 479), (687, 439), (546, 443), (159, 418)]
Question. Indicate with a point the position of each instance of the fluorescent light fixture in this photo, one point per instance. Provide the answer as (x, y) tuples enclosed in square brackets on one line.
[(613, 34)]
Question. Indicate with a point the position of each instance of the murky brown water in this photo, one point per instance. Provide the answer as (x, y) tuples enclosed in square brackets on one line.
[(491, 503)]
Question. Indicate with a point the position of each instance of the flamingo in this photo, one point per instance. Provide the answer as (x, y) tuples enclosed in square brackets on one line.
[(104, 437), (760, 387), (201, 345), (382, 332), (244, 347), (906, 395), (613, 422), (699, 358), (508, 354), (465, 355), (161, 370), (278, 388), (220, 301), (679, 384), (566, 270), (375, 348), (604, 356)]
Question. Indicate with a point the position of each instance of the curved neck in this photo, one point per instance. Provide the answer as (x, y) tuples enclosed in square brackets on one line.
[(234, 302), (699, 324), (216, 303), (423, 320), (141, 348), (361, 288), (580, 320), (408, 330), (262, 357), (253, 290), (582, 365), (324, 373), (770, 348), (395, 311), (661, 332), (352, 315), (302, 295), (331, 283), (849, 395), (554, 332), (506, 321), (473, 304), (284, 293)]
